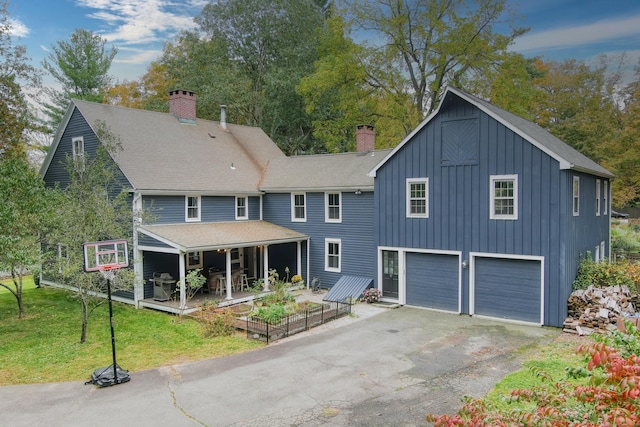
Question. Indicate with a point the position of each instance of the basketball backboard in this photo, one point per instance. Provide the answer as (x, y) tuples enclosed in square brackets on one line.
[(111, 254)]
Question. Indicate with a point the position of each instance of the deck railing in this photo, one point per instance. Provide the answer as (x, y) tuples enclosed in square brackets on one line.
[(294, 323)]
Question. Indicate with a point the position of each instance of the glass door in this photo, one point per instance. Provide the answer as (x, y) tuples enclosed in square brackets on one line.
[(390, 274)]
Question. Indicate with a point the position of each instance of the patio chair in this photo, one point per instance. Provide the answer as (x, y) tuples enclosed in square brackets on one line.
[(315, 285)]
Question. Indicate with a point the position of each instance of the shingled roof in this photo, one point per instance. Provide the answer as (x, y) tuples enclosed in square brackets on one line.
[(161, 154)]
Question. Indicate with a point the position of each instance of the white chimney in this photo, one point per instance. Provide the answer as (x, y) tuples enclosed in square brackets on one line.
[(223, 116)]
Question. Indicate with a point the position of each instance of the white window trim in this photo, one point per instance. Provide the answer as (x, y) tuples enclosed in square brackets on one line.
[(410, 181), (326, 207), (63, 255), (186, 209), (246, 207), (327, 242), (293, 207), (492, 204), (597, 197), (575, 197), (78, 154), (605, 196)]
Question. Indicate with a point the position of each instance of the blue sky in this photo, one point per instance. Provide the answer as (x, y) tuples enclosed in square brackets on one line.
[(559, 29)]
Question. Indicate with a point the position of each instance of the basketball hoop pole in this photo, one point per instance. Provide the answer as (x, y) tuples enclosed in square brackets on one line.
[(108, 274)]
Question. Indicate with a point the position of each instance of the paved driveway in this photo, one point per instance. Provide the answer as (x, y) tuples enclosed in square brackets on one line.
[(390, 369)]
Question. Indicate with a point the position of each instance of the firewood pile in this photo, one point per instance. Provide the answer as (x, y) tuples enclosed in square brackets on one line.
[(596, 309)]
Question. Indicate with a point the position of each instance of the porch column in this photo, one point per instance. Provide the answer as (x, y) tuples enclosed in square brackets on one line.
[(181, 269), (228, 273), (265, 252), (299, 258)]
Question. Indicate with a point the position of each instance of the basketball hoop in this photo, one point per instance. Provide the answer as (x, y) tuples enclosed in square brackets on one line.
[(108, 271)]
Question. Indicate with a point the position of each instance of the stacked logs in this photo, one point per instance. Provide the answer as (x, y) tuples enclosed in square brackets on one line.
[(598, 308)]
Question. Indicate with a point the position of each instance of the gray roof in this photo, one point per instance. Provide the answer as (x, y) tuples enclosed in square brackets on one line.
[(160, 154), (567, 156), (209, 236), (347, 288), (322, 172)]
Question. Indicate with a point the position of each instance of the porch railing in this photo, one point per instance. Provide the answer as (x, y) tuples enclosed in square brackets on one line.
[(294, 323)]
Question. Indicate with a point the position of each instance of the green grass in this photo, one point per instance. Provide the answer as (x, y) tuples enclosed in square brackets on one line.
[(45, 346)]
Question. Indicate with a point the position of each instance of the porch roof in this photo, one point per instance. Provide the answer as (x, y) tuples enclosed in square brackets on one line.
[(193, 237)]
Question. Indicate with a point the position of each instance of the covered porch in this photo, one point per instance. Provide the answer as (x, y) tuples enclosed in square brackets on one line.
[(232, 256)]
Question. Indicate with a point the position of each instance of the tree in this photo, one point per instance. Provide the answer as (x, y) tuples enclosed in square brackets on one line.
[(81, 66), (91, 208), (23, 212), (16, 75), (151, 92), (250, 55), (421, 46)]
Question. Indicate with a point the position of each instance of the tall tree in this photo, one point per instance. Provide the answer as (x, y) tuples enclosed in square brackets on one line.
[(16, 76), (420, 46), (250, 55), (23, 213), (91, 208), (81, 66)]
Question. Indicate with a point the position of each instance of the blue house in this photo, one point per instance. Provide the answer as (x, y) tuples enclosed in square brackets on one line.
[(479, 211), (225, 199)]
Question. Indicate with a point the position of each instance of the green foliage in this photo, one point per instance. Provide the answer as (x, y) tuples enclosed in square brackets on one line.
[(627, 344), (601, 274), (625, 237), (217, 322), (272, 313), (81, 66)]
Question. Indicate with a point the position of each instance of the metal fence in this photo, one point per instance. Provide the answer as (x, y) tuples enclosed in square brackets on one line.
[(296, 322)]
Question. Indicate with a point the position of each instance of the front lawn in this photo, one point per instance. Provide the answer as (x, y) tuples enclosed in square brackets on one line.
[(44, 345)]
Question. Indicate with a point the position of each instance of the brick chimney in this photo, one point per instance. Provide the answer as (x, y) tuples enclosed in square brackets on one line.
[(365, 138), (182, 104)]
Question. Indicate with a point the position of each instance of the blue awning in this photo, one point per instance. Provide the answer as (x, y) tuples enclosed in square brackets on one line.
[(348, 287)]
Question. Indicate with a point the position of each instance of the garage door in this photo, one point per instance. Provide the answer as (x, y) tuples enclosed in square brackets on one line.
[(432, 280), (508, 288)]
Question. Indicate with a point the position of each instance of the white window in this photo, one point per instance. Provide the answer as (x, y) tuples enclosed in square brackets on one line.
[(576, 195), (192, 208), (63, 256), (298, 207), (597, 197), (332, 255), (194, 260), (417, 197), (333, 207), (605, 197), (597, 254), (241, 208), (77, 145), (603, 256), (504, 197)]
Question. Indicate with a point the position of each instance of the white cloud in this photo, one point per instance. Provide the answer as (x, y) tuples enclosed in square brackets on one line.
[(601, 31), (44, 48), (130, 22), (136, 56), (17, 28)]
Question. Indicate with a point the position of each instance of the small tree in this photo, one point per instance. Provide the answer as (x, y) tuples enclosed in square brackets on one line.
[(22, 213), (192, 284), (91, 208)]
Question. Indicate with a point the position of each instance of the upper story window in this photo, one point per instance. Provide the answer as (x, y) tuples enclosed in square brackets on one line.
[(242, 212), (504, 197), (576, 195), (77, 145), (417, 197), (332, 255), (298, 207), (192, 208), (333, 207), (605, 197), (597, 197)]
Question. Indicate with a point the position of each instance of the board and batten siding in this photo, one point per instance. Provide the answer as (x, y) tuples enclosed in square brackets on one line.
[(459, 195), (356, 231)]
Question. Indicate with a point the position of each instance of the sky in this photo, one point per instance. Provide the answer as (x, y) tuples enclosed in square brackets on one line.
[(559, 29)]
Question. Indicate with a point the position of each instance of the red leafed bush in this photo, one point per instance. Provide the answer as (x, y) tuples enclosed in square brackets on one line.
[(612, 398)]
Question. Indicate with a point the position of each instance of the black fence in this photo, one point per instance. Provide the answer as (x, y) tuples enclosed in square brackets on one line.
[(296, 322)]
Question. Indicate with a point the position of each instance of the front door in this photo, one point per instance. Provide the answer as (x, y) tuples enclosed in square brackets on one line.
[(390, 274)]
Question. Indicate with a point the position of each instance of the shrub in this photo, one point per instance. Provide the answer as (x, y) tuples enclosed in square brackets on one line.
[(271, 314), (371, 295), (601, 274), (627, 344), (216, 322)]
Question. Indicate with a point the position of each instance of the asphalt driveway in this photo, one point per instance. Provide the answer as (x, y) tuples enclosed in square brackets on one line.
[(390, 369)]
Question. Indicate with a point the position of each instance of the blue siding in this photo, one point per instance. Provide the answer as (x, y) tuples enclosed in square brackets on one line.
[(459, 203), (356, 231), (171, 209)]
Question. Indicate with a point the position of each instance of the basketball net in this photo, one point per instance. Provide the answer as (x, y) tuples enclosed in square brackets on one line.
[(108, 271)]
